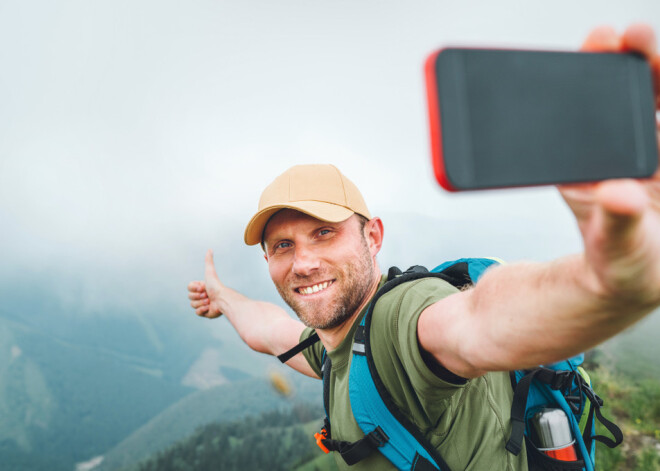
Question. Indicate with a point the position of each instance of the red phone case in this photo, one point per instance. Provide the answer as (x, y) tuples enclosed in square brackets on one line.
[(645, 161), (434, 122)]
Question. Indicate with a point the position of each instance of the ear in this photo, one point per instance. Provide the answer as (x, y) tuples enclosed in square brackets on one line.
[(373, 233)]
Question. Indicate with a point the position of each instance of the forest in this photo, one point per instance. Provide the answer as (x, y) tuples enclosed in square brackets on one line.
[(282, 440), (278, 440)]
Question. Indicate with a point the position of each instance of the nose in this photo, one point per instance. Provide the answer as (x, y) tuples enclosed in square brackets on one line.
[(305, 261)]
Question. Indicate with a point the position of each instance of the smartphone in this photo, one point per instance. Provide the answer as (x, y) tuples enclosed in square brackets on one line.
[(509, 118)]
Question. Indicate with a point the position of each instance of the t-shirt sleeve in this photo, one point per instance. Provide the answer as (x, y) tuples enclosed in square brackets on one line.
[(407, 303), (314, 353)]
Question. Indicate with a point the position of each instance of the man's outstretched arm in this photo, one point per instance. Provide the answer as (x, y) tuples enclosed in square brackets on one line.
[(523, 315), (264, 327)]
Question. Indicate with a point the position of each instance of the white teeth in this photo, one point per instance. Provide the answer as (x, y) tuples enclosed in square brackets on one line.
[(315, 288)]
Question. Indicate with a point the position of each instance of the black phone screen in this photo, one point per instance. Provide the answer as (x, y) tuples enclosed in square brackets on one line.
[(513, 118)]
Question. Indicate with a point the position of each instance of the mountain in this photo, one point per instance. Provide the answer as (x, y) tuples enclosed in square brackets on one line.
[(75, 383), (220, 404), (624, 371), (67, 400), (90, 373), (281, 439), (277, 440), (78, 383)]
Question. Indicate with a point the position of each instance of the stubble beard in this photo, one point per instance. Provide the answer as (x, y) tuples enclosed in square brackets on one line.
[(355, 280)]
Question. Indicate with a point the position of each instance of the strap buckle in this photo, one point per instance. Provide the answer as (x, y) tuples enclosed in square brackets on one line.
[(320, 436), (593, 397), (562, 380), (378, 437)]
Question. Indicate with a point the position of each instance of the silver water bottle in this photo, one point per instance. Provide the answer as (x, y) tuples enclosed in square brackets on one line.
[(554, 436)]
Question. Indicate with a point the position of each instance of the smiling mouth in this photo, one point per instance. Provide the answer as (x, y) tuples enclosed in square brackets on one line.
[(307, 290)]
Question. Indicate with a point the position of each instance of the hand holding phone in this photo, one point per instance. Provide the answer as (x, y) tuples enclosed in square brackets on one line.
[(619, 219)]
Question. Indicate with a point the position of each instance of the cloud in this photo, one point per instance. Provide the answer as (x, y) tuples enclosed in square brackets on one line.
[(136, 135)]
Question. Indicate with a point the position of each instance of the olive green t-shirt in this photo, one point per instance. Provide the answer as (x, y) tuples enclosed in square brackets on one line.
[(468, 423)]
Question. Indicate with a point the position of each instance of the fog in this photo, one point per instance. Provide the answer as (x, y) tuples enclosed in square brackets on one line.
[(135, 135)]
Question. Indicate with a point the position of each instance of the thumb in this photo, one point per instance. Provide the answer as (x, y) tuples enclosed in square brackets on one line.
[(622, 205), (622, 198), (209, 268)]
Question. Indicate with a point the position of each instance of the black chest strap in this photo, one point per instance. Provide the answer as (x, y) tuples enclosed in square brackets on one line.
[(308, 342)]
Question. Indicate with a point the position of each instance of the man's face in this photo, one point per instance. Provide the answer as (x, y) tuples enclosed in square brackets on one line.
[(322, 270)]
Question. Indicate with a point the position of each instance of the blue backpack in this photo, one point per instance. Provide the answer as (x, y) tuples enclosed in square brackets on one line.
[(563, 385)]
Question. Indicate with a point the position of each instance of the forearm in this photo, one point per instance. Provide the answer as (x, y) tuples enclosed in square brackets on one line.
[(258, 322), (526, 314), (538, 313), (264, 327)]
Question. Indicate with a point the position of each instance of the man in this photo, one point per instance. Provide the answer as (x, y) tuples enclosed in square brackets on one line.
[(443, 354)]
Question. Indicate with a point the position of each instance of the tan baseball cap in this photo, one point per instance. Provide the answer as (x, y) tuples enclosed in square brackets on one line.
[(320, 191)]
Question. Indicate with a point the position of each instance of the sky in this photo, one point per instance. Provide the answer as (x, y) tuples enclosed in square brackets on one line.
[(134, 135)]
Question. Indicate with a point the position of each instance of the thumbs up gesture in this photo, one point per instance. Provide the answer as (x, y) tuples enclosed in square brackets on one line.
[(205, 295)]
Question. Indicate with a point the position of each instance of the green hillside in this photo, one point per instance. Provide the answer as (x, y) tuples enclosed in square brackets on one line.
[(73, 385), (79, 382), (635, 407), (68, 400), (627, 377), (223, 403), (276, 441), (633, 403)]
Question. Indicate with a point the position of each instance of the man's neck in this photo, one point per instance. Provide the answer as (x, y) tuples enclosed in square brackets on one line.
[(331, 338)]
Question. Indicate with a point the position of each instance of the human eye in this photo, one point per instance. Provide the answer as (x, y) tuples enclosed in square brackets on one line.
[(324, 232), (283, 245)]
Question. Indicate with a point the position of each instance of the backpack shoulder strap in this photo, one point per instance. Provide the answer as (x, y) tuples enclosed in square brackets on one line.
[(386, 429), (372, 405), (465, 272), (308, 342)]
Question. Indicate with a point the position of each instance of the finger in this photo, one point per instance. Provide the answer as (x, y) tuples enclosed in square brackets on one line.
[(194, 296), (196, 286), (200, 303), (209, 267), (619, 214), (579, 197), (655, 68), (620, 199), (602, 39), (640, 38), (202, 311)]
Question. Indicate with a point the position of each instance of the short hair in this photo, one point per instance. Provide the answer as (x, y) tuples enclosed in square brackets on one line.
[(362, 221)]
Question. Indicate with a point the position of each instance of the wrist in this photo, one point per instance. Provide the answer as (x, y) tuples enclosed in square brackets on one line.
[(621, 288)]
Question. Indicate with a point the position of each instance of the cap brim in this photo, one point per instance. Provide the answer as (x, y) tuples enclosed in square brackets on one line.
[(324, 211)]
